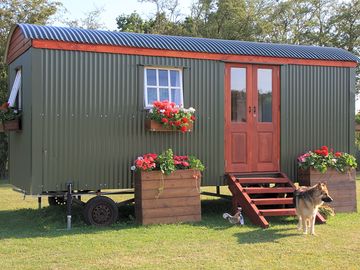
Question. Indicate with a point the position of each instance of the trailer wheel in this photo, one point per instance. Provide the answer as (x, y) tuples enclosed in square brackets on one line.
[(100, 211), (56, 200)]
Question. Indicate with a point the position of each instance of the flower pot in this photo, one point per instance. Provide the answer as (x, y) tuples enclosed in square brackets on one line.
[(170, 198), (152, 125), (12, 125), (341, 186)]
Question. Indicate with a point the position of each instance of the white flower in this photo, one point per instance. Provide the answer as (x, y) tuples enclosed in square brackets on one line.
[(140, 158), (133, 168), (191, 109), (151, 111), (334, 160), (162, 111)]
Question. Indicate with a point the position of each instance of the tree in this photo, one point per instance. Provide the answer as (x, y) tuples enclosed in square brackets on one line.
[(91, 20), (131, 23), (12, 12)]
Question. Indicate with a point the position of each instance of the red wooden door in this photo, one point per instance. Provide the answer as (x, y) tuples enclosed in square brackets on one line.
[(252, 105)]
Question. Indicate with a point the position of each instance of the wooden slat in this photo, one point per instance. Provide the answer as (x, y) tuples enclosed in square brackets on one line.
[(261, 190), (273, 201), (171, 211), (174, 219), (169, 183), (170, 202), (278, 212), (267, 180), (170, 193), (181, 174)]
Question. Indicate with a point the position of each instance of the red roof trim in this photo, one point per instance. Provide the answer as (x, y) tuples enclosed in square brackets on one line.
[(70, 46)]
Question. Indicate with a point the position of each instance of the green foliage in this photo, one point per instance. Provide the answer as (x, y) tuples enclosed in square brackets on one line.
[(357, 118), (166, 161), (196, 163), (326, 211)]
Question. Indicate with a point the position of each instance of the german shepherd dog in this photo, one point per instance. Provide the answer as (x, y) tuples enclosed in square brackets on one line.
[(307, 201)]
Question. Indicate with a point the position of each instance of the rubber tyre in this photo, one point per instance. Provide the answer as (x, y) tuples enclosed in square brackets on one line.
[(100, 211), (53, 201)]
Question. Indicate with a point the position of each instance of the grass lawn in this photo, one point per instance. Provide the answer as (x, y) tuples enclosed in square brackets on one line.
[(36, 239)]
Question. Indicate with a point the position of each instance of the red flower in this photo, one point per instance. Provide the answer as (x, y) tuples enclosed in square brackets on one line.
[(337, 154), (192, 118), (183, 128), (184, 120), (164, 120), (177, 123), (185, 164), (324, 148)]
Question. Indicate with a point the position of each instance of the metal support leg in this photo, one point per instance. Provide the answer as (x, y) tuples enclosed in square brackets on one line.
[(217, 190), (39, 202), (69, 205)]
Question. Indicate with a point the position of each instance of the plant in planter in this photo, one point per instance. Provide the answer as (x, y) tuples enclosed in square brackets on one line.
[(166, 116), (9, 117), (167, 188), (337, 169)]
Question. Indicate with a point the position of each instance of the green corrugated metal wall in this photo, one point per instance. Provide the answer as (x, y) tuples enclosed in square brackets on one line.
[(317, 108), (20, 142), (88, 117), (93, 117)]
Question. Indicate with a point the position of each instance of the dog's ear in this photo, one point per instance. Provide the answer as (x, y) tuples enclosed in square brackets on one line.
[(319, 185)]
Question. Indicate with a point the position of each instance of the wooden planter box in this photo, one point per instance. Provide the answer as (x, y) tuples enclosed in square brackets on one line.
[(167, 198), (152, 125), (12, 125), (341, 186)]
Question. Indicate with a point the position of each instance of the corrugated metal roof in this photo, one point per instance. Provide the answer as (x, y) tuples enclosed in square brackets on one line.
[(189, 44)]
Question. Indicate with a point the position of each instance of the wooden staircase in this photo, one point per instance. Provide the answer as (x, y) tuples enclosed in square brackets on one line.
[(262, 195)]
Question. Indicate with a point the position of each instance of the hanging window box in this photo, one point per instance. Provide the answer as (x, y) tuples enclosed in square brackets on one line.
[(12, 125), (169, 197), (153, 125), (10, 118), (166, 116)]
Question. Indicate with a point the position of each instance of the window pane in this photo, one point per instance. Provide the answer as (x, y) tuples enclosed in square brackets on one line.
[(15, 89), (175, 77), (163, 78), (176, 96), (151, 95), (238, 94), (164, 94), (151, 76), (264, 85)]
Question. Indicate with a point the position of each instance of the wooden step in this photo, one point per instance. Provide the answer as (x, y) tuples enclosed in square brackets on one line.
[(272, 201), (262, 190), (278, 212), (267, 180)]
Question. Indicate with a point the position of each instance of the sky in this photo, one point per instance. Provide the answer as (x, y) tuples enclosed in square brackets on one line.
[(113, 8)]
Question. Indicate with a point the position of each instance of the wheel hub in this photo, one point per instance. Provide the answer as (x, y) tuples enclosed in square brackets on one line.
[(101, 214)]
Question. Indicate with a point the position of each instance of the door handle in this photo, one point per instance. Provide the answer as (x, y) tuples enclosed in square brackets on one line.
[(249, 109), (254, 111)]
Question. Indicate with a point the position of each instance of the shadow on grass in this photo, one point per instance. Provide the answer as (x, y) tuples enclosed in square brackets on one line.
[(259, 235), (51, 221)]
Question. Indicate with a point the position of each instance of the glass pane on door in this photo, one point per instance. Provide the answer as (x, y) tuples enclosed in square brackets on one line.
[(238, 94), (264, 85)]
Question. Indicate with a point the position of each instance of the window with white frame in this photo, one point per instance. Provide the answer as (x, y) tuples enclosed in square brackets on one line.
[(163, 84), (15, 94)]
